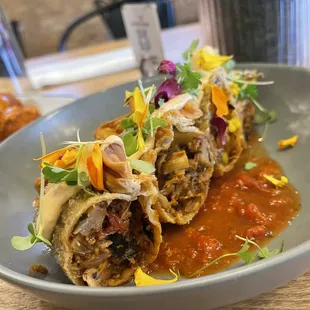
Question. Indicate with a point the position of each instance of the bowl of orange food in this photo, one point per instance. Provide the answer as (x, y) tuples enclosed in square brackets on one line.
[(193, 193)]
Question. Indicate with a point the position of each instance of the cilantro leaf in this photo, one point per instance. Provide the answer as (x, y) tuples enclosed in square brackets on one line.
[(266, 253), (189, 79), (152, 124), (249, 92), (142, 166), (127, 122), (244, 253), (130, 142), (188, 53), (249, 165)]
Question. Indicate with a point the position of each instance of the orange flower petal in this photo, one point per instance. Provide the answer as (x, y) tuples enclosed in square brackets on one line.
[(52, 157), (92, 171), (283, 144), (220, 100), (98, 163), (67, 159)]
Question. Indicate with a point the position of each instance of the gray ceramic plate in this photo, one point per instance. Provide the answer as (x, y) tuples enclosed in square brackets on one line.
[(290, 97)]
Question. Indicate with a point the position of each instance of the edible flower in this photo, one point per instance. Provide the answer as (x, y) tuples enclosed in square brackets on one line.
[(207, 61), (142, 279), (220, 124), (225, 158), (95, 167), (283, 144), (278, 183), (141, 109), (220, 100), (129, 94), (61, 158), (167, 90), (234, 88), (234, 124), (167, 67)]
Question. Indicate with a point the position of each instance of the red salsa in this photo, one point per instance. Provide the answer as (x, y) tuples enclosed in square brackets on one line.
[(241, 203)]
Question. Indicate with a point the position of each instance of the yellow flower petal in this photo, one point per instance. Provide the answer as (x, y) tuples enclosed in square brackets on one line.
[(67, 159), (207, 61), (52, 157), (234, 88), (129, 94), (140, 107), (225, 158), (278, 183), (234, 124), (220, 100), (140, 140), (142, 279), (283, 144)]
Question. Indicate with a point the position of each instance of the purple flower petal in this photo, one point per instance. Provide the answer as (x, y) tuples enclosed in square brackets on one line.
[(167, 89), (220, 124), (162, 95), (167, 67)]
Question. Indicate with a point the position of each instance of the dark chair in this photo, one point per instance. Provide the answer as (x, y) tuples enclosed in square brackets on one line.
[(111, 15)]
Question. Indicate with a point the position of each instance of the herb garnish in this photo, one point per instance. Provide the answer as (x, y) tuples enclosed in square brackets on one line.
[(140, 124), (24, 243), (249, 91), (245, 254), (249, 165)]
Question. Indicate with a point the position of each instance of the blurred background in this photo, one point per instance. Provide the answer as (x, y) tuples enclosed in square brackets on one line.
[(39, 24)]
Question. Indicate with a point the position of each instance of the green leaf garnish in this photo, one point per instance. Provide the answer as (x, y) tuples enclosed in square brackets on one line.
[(55, 174), (249, 165), (83, 182), (142, 166), (265, 252), (22, 243), (187, 77), (25, 243), (245, 254), (189, 52), (130, 141), (127, 122), (247, 92), (152, 124)]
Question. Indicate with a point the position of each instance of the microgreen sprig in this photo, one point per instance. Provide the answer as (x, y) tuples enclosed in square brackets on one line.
[(24, 243), (244, 253)]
